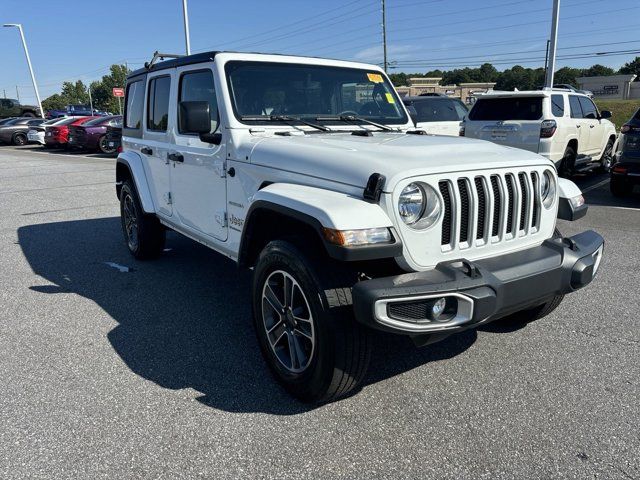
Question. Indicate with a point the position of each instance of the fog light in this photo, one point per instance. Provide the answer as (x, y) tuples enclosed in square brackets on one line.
[(443, 309), (438, 308)]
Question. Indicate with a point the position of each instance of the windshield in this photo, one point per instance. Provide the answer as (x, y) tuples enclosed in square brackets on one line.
[(97, 121), (439, 110), (311, 91)]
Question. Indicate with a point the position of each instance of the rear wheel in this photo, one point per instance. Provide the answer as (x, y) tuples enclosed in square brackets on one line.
[(606, 161), (619, 187), (568, 161), (144, 234), (19, 139), (304, 322), (103, 145), (28, 114)]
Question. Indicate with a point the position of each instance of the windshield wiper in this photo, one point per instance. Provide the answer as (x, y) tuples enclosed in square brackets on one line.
[(354, 119), (285, 119)]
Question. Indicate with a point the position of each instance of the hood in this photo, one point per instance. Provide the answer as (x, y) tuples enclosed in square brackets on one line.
[(351, 159)]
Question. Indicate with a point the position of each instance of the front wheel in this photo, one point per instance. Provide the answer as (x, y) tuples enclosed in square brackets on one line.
[(304, 323)]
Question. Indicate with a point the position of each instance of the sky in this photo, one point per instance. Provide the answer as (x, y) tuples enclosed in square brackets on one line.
[(79, 39)]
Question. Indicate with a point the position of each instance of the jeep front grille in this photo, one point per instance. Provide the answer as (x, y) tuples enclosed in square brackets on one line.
[(489, 208)]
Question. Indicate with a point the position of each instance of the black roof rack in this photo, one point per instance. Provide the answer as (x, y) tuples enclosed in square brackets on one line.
[(176, 61)]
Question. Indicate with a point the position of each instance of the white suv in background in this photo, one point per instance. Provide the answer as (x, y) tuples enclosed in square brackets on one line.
[(566, 127)]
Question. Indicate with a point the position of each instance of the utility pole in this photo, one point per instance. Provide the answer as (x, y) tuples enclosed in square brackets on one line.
[(546, 60), (26, 52), (17, 94), (384, 35), (185, 15), (4, 92), (553, 44)]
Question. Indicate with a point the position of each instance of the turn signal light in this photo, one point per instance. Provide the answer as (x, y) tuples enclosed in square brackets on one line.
[(354, 238)]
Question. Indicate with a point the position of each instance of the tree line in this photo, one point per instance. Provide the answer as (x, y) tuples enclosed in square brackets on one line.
[(101, 92), (516, 77)]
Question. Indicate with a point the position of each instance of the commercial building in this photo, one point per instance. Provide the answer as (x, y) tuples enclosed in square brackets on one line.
[(465, 91), (612, 87)]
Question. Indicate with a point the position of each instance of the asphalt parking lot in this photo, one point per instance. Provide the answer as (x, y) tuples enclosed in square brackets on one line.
[(153, 370)]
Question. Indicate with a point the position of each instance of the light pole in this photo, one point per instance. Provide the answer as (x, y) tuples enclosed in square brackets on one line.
[(185, 15), (384, 35), (26, 52), (551, 68)]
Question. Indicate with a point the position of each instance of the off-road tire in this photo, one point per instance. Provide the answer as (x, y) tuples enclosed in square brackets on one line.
[(28, 114), (19, 139), (342, 347), (620, 188), (150, 236)]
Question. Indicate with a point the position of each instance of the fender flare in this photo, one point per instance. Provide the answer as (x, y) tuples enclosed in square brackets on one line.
[(133, 163), (318, 209), (568, 190)]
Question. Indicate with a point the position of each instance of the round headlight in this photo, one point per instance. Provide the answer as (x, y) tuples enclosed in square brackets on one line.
[(411, 204), (548, 189), (419, 205)]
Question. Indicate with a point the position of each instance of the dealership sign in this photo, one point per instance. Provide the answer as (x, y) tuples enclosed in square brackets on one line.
[(607, 90), (118, 92)]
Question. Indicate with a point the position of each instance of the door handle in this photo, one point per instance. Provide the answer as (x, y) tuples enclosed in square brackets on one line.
[(591, 126), (176, 157), (578, 126), (146, 151)]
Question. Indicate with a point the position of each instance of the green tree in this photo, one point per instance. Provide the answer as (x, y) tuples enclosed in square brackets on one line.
[(632, 67), (598, 71), (102, 90), (567, 75), (54, 102)]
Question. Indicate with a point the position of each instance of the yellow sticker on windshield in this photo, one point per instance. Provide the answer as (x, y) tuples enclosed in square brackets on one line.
[(390, 98), (375, 77)]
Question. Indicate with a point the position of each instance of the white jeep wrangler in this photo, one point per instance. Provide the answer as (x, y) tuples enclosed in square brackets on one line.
[(309, 172)]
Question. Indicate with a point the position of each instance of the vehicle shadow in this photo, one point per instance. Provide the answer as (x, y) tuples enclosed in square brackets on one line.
[(184, 320)]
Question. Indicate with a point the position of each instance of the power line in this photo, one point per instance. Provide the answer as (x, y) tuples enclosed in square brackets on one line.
[(521, 60), (490, 29), (520, 52)]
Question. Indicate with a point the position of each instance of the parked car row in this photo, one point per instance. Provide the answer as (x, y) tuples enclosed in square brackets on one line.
[(72, 132), (77, 111)]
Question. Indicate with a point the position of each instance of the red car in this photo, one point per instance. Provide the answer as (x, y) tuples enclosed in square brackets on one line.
[(57, 136)]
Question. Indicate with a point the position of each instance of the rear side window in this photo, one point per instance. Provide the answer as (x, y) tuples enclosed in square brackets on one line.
[(589, 110), (576, 109), (135, 104), (438, 110), (199, 87), (557, 105), (158, 104), (514, 108)]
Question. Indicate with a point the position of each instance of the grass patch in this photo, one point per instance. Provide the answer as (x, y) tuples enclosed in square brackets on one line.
[(622, 110)]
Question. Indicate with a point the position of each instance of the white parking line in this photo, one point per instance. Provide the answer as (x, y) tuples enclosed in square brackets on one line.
[(597, 185)]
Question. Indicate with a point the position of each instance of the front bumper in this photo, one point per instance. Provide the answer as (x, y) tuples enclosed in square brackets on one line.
[(483, 290)]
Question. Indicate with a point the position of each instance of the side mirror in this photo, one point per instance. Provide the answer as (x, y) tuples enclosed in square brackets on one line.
[(605, 114), (195, 117)]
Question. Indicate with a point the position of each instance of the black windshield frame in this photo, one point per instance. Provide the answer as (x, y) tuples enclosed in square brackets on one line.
[(231, 66)]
